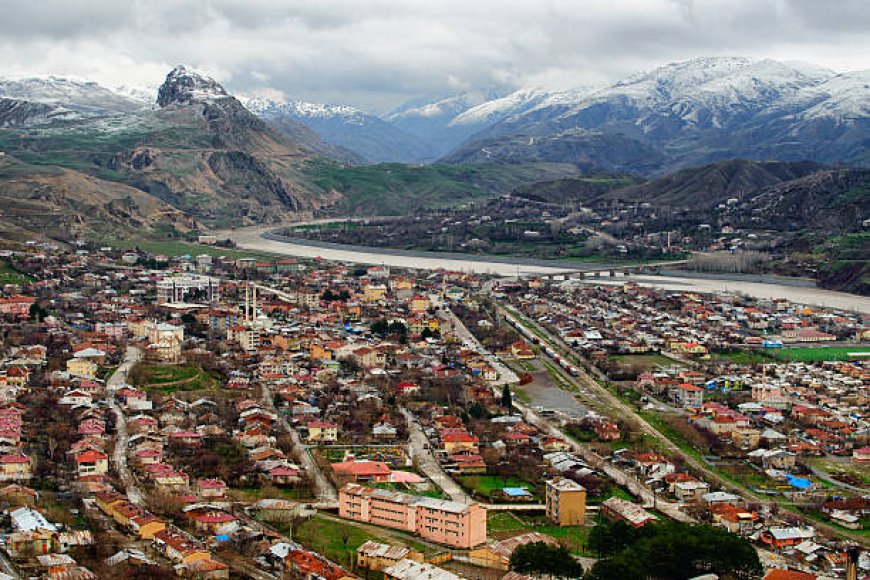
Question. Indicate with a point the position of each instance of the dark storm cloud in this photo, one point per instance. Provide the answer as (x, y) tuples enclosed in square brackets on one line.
[(377, 53)]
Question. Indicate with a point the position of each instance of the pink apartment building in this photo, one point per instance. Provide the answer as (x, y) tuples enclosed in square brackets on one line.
[(444, 522)]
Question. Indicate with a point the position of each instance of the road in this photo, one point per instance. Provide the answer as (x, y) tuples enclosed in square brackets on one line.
[(595, 461), (622, 478), (505, 375), (323, 488), (417, 449), (119, 455)]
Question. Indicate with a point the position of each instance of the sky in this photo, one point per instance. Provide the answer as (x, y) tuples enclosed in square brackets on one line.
[(376, 54)]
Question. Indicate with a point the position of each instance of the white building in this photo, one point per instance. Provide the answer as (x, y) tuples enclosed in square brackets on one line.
[(173, 289)]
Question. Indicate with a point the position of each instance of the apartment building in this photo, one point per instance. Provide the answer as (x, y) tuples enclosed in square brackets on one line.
[(444, 522), (566, 502)]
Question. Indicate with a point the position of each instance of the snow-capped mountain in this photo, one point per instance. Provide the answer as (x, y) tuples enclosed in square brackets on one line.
[(368, 136), (84, 97), (431, 118), (184, 85), (690, 112), (496, 110)]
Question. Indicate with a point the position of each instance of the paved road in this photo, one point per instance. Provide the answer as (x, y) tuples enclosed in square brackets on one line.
[(426, 461), (119, 455), (622, 478), (323, 488), (505, 375)]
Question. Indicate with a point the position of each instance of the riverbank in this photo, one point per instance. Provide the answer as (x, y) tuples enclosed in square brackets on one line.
[(255, 238)]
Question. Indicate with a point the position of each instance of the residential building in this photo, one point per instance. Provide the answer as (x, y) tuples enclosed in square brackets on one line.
[(444, 522), (498, 554), (617, 509), (411, 570), (566, 502), (376, 557)]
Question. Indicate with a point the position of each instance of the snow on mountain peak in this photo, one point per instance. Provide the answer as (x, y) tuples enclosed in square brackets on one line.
[(75, 94), (275, 104), (185, 85)]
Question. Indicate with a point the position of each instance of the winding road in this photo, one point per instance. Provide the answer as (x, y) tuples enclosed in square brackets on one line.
[(119, 455)]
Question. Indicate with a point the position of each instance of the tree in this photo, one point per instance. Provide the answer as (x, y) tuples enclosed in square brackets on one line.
[(671, 550), (544, 558), (506, 398)]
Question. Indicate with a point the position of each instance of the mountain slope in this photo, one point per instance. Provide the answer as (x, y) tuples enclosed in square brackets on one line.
[(697, 189), (693, 113), (201, 152), (83, 97), (368, 137), (44, 201), (309, 139)]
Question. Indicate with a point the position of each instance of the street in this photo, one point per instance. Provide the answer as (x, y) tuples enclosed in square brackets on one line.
[(326, 492), (417, 449), (119, 455)]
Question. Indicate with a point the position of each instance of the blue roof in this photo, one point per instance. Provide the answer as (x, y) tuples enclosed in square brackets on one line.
[(798, 482), (515, 491)]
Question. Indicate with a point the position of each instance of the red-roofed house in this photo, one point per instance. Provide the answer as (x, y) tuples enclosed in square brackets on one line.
[(92, 462)]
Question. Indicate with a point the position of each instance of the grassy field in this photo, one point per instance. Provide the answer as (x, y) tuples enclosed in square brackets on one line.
[(339, 540), (486, 484), (253, 494), (388, 188), (645, 361), (501, 525), (521, 395), (170, 379), (9, 275), (820, 353), (742, 357)]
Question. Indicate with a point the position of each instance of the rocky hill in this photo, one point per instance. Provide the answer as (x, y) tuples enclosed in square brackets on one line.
[(200, 151)]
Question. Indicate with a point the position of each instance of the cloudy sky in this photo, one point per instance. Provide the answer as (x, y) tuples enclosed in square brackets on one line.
[(379, 53)]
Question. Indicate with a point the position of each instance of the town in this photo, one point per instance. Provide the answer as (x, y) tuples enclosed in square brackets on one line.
[(231, 415)]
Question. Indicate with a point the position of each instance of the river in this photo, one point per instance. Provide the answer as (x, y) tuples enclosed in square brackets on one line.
[(252, 239)]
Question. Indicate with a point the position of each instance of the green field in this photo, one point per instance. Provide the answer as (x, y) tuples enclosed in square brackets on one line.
[(820, 353), (486, 484), (9, 275), (742, 357), (644, 361), (501, 525), (170, 379), (393, 188), (339, 540)]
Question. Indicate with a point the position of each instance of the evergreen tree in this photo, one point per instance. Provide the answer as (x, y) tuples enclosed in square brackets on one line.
[(506, 399)]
